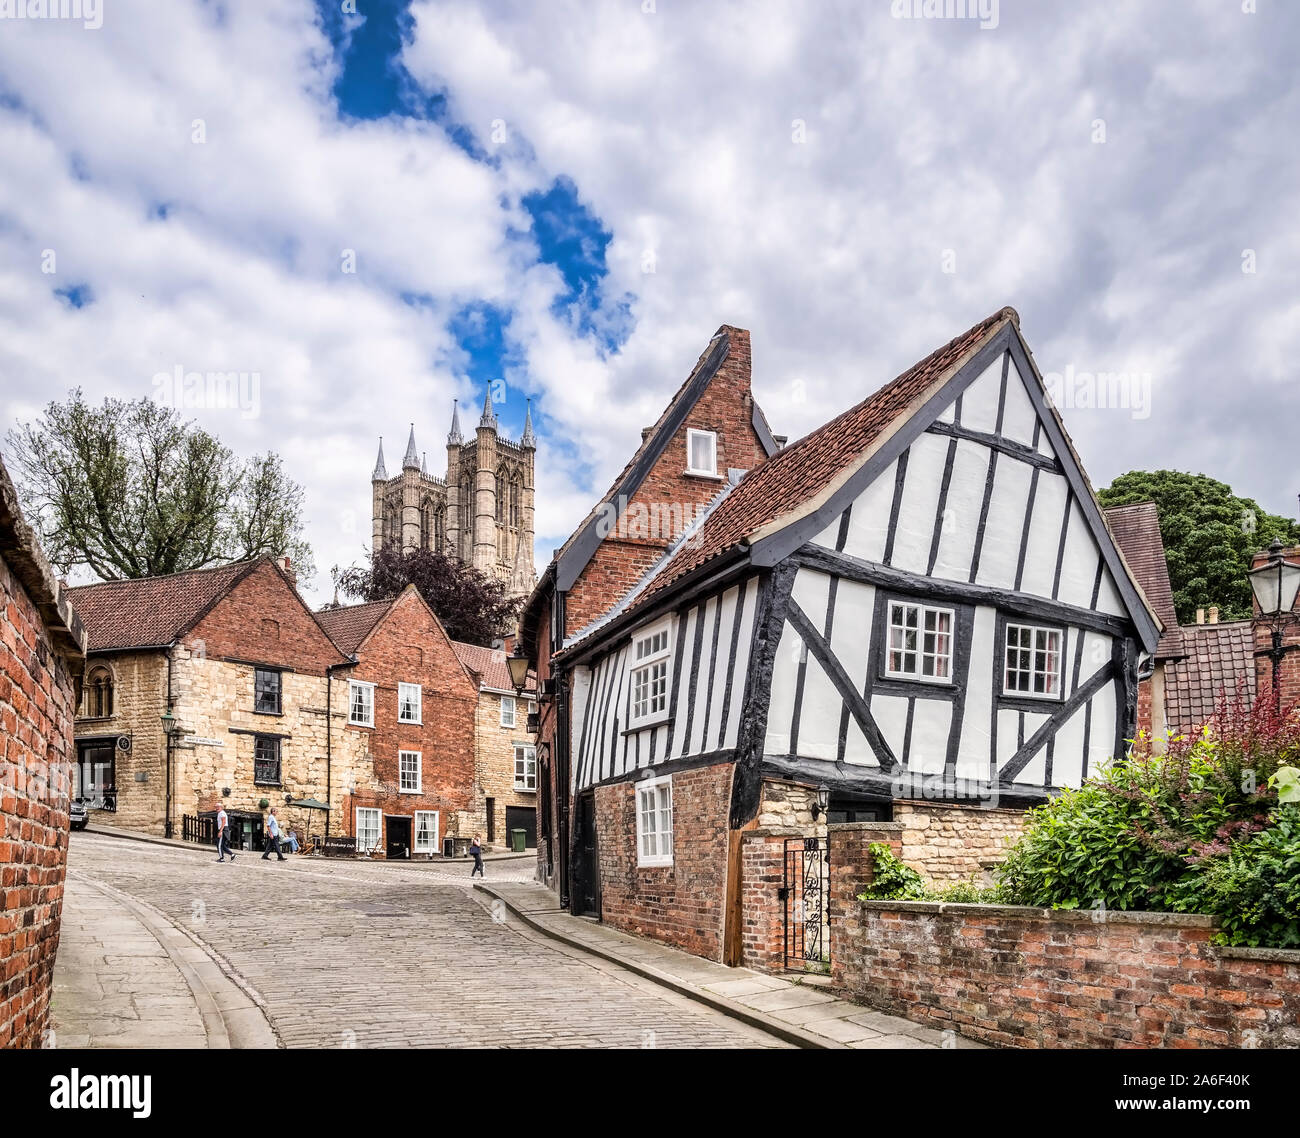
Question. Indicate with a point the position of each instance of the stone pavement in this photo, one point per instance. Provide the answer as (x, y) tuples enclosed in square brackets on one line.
[(797, 1010), (126, 977), (346, 953)]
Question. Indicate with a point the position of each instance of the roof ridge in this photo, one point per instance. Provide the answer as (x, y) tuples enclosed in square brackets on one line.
[(169, 576)]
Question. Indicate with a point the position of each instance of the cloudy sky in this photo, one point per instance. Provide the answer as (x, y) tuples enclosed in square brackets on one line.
[(572, 196)]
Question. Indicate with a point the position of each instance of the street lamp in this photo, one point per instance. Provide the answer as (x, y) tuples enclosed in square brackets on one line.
[(518, 665), (1275, 584)]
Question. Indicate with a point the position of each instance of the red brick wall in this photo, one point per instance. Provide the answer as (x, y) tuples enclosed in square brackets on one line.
[(261, 619), (1040, 978), (410, 646), (1144, 706), (37, 703), (726, 407), (762, 874), (682, 904)]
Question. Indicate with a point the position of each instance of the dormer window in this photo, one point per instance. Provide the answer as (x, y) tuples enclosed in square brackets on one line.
[(702, 453)]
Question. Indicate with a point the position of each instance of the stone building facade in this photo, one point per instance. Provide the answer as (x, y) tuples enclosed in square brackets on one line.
[(480, 512), (212, 688), (42, 654), (411, 708), (505, 750)]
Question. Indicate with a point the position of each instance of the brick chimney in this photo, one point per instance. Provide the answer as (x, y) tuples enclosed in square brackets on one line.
[(286, 567)]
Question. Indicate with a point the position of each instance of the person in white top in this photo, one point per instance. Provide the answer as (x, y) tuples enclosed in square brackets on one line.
[(273, 837), (223, 836)]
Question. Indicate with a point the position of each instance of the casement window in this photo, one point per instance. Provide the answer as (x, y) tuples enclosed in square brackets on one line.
[(701, 452), (408, 772), (525, 767), (368, 822), (426, 831), (266, 691), (651, 666), (361, 703), (266, 760), (1033, 661), (97, 694), (654, 822), (507, 711), (920, 643), (410, 703)]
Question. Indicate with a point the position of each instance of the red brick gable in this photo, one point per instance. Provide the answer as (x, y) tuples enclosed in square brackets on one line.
[(262, 618), (726, 407)]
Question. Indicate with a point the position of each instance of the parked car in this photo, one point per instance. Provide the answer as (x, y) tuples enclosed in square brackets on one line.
[(77, 815)]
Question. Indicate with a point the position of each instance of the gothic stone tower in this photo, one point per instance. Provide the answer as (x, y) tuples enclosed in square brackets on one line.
[(481, 513)]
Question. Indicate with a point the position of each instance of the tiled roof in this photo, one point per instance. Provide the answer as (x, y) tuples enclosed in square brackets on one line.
[(349, 625), (489, 664), (805, 468), (1218, 658), (1137, 533), (150, 611)]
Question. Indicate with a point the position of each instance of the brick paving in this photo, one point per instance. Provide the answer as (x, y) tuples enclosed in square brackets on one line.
[(356, 954)]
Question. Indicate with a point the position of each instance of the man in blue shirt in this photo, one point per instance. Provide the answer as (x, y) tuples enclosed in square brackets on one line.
[(273, 836)]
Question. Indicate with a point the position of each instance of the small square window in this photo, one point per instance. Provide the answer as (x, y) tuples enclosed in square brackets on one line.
[(409, 703), (409, 776), (266, 691), (701, 452), (1032, 661), (920, 643)]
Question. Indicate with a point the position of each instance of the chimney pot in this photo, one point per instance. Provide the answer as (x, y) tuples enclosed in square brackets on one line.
[(1200, 616), (1214, 614)]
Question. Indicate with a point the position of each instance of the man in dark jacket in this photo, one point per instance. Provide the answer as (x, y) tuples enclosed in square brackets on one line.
[(476, 852)]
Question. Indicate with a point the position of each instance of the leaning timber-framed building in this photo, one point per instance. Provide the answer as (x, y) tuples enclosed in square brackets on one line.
[(916, 614)]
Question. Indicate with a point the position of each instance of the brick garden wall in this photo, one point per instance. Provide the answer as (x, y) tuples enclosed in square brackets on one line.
[(681, 904), (1024, 977), (42, 646)]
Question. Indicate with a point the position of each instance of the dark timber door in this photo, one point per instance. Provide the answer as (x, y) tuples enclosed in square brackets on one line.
[(586, 868), (399, 837), (522, 818)]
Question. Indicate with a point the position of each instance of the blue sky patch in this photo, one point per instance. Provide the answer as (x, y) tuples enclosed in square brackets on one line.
[(76, 296)]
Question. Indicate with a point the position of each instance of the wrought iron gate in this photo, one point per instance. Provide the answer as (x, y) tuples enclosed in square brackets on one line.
[(806, 896)]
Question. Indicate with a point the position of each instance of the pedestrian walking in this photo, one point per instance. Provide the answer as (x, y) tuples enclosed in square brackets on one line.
[(476, 852), (223, 835), (273, 836)]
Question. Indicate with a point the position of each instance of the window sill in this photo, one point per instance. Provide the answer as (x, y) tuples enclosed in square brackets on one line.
[(410, 722), (706, 474), (525, 790), (655, 863), (275, 714), (270, 785), (367, 726), (906, 678), (648, 725), (417, 790)]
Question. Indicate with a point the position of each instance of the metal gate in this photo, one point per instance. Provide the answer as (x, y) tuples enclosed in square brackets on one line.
[(806, 896)]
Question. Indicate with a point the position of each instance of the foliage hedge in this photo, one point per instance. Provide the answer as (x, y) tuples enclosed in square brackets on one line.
[(1210, 825)]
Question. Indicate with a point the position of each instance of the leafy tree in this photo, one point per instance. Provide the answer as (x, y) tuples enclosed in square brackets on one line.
[(472, 606), (1210, 535), (128, 489)]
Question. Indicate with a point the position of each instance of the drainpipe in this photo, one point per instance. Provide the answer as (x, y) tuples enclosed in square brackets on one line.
[(329, 738), (168, 830)]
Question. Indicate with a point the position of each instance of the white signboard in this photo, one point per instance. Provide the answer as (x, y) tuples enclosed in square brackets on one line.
[(199, 741)]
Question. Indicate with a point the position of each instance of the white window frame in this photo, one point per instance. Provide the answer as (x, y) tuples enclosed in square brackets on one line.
[(508, 701), (647, 662), (530, 760), (691, 435), (922, 612), (379, 828), (402, 695), (649, 843), (419, 772), (1033, 671), (352, 686), (415, 832)]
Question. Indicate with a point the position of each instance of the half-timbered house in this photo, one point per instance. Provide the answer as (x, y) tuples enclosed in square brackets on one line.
[(915, 613)]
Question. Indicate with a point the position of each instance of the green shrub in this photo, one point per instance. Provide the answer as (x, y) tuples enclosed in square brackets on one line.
[(967, 893), (891, 879), (1253, 888)]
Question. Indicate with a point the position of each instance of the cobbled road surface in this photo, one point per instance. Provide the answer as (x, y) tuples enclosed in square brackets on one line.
[(346, 953)]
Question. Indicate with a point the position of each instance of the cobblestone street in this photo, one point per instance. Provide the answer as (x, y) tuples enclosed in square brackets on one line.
[(347, 953)]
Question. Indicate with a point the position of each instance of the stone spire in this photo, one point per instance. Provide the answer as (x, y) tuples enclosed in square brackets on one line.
[(412, 459), (489, 416), (424, 463), (380, 474), (455, 438), (529, 439)]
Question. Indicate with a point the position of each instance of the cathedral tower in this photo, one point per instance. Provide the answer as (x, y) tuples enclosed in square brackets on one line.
[(481, 513)]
